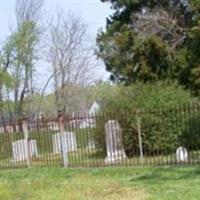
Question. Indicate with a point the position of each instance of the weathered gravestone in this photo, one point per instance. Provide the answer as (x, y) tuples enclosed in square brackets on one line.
[(181, 154), (53, 126), (91, 144), (67, 140), (114, 143), (24, 149)]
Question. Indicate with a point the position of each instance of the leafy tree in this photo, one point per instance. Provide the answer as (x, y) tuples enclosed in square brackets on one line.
[(152, 40), (22, 44), (6, 59), (17, 59)]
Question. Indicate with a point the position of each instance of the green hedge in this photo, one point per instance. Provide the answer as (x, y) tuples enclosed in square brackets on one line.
[(164, 117)]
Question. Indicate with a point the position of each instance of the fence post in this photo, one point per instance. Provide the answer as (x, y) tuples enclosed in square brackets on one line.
[(140, 137), (62, 139), (26, 138)]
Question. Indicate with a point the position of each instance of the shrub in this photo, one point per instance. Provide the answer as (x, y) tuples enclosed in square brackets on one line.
[(162, 125), (191, 135)]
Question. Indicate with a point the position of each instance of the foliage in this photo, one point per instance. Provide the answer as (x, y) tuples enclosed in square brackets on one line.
[(18, 56), (5, 61), (157, 106), (22, 69), (152, 40), (101, 92), (5, 78), (190, 136)]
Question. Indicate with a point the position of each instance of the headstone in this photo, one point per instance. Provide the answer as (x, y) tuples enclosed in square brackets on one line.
[(23, 149), (114, 143), (53, 126), (87, 123), (67, 140), (91, 144), (56, 143), (181, 154)]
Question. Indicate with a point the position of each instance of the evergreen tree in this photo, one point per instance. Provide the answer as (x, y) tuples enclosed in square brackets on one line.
[(150, 40)]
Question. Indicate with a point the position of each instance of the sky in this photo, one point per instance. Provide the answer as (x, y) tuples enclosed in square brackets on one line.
[(93, 12)]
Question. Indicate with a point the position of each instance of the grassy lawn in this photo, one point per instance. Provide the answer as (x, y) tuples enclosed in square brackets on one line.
[(164, 183)]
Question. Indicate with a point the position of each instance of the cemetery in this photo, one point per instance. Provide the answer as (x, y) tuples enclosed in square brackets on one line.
[(99, 99), (43, 155), (108, 141)]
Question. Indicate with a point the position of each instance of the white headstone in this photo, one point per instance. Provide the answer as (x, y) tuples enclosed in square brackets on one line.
[(53, 126), (114, 143), (181, 154), (68, 140), (88, 123), (144, 11), (21, 151), (91, 144)]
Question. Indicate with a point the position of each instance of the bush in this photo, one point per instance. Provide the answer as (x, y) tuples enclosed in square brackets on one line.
[(191, 135), (162, 124)]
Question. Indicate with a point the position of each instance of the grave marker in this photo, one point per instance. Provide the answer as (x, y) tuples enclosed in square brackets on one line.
[(22, 151), (114, 143), (181, 154)]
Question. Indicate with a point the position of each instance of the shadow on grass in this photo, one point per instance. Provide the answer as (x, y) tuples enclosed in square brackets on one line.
[(168, 174)]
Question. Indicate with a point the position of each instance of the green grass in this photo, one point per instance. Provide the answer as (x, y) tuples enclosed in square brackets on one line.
[(166, 183)]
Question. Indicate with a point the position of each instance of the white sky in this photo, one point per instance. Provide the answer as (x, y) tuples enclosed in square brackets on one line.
[(94, 12)]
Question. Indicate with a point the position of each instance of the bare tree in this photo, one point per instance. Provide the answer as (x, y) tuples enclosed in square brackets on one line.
[(71, 57), (28, 10)]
